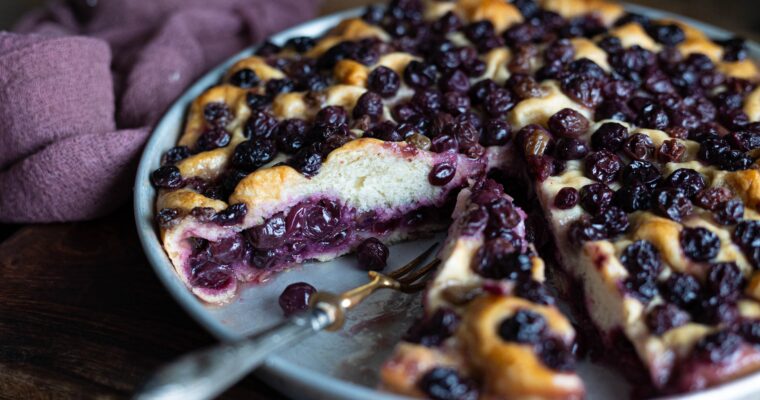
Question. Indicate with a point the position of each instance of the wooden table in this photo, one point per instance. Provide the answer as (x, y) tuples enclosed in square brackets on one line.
[(82, 314)]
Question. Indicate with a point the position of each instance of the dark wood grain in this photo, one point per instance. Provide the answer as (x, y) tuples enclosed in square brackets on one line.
[(81, 313)]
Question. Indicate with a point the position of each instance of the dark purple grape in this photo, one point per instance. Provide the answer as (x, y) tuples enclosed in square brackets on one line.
[(257, 101), (498, 102), (568, 123), (747, 236), (725, 281), (667, 34), (643, 289), (570, 149), (212, 139), (566, 198), (166, 177), (583, 230), (480, 90), (301, 44), (278, 86), (664, 317), (217, 114), (556, 355), (448, 23), (682, 290), (175, 155), (750, 331), (561, 51), (610, 44), (699, 244), (653, 116), (582, 89), (632, 62), (321, 220), (419, 75), (744, 140), (642, 260), (307, 161), (672, 203), (228, 250), (717, 347), (291, 135), (523, 326), (603, 166), (729, 212), (268, 49), (523, 86), (245, 78), (444, 143), (496, 132), (427, 100), (261, 124), (671, 151), (210, 275), (498, 259), (595, 197), (269, 235), (231, 215), (633, 197), (454, 81), (456, 103), (642, 172), (614, 220), (296, 297), (253, 154), (734, 49), (687, 180), (369, 104), (331, 115), (442, 173), (610, 136), (613, 109), (714, 311), (639, 147), (373, 14), (711, 198), (167, 217), (383, 81), (372, 255), (432, 331), (442, 383), (386, 131)]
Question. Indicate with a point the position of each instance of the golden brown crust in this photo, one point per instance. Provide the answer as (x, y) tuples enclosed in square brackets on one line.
[(747, 185), (633, 34), (509, 369), (501, 13), (350, 72), (606, 11)]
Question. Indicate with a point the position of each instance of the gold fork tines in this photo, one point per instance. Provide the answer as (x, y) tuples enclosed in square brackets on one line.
[(408, 279)]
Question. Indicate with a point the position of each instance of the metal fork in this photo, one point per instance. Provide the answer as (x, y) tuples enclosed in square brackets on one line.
[(206, 373)]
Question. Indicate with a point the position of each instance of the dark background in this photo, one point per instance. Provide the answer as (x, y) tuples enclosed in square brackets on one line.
[(740, 16)]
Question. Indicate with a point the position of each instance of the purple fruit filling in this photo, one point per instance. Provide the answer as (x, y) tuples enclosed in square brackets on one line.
[(309, 229)]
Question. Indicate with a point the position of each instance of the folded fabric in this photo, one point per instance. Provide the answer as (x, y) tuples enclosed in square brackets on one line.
[(81, 87)]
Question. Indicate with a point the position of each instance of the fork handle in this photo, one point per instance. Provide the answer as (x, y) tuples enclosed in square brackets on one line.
[(206, 373)]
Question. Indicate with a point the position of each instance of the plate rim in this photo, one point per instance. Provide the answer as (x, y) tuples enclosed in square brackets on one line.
[(294, 379)]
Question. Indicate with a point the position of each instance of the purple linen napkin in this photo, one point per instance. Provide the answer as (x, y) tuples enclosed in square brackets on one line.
[(81, 87)]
